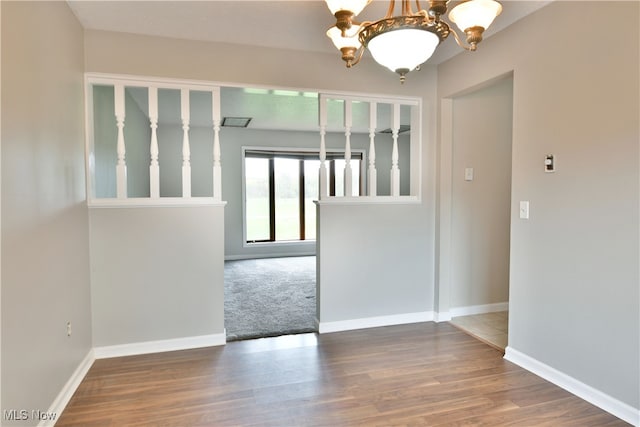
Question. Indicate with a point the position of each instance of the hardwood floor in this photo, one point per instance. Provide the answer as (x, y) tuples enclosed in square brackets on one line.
[(492, 328), (424, 374)]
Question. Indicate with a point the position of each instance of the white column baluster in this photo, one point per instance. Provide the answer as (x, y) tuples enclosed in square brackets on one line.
[(154, 167), (186, 152), (217, 166), (323, 193), (373, 175), (348, 121), (395, 172), (121, 165)]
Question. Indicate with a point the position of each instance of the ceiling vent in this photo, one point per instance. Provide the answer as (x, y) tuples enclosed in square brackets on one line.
[(236, 122)]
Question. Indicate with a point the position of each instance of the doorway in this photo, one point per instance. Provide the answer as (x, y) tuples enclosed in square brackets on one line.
[(270, 297), (481, 210)]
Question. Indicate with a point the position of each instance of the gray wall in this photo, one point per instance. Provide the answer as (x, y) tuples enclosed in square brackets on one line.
[(156, 273), (368, 262), (481, 209), (574, 295), (45, 243)]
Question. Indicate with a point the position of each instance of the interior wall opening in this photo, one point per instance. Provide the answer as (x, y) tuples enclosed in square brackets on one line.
[(266, 297), (271, 181), (159, 144), (481, 211)]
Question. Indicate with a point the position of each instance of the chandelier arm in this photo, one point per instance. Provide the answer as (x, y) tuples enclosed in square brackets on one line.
[(406, 8), (465, 46), (358, 57), (392, 6)]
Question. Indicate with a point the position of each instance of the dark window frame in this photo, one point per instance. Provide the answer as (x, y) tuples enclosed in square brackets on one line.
[(357, 157)]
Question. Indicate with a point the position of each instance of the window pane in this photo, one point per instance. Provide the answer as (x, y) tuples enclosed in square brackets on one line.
[(257, 198), (287, 180), (311, 175)]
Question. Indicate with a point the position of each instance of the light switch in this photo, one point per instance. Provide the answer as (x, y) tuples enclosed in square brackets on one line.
[(524, 209), (468, 174)]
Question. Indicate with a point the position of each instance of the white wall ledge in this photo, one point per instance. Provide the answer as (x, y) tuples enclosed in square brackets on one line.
[(144, 202)]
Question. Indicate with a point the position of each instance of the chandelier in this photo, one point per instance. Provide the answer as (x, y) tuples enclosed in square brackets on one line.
[(402, 43)]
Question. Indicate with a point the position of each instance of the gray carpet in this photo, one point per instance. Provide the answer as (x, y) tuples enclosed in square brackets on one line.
[(269, 297)]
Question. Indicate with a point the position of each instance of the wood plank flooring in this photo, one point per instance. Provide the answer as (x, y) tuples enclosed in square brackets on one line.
[(424, 374)]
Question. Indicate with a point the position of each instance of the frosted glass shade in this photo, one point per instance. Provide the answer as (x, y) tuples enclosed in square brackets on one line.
[(351, 39), (475, 13), (354, 6), (404, 48)]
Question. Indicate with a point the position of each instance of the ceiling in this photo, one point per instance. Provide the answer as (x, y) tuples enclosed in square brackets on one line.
[(258, 23)]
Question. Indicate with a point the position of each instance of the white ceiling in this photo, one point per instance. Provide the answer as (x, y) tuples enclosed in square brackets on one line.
[(297, 25), (258, 23)]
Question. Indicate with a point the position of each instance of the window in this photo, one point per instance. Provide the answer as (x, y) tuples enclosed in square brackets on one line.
[(280, 187)]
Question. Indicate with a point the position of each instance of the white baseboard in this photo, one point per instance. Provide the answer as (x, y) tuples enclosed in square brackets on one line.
[(479, 309), (159, 346), (444, 316), (63, 398), (374, 322), (603, 401), (269, 255)]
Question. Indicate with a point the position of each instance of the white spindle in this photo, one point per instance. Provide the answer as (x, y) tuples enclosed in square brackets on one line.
[(186, 152), (217, 166), (154, 167), (121, 166), (348, 121), (373, 176), (323, 194), (395, 172)]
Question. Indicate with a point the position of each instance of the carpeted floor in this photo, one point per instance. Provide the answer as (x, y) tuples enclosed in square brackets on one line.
[(269, 297)]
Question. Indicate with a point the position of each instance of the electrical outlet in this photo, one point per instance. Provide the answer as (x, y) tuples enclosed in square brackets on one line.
[(68, 329)]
